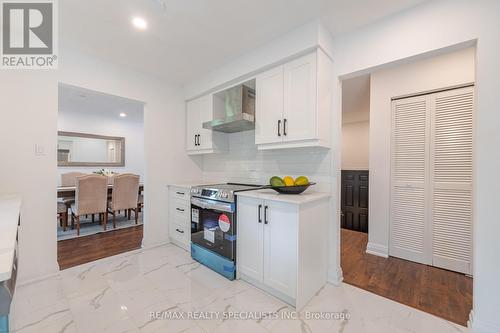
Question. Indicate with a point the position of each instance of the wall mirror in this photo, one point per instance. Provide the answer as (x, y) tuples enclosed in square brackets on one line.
[(80, 149)]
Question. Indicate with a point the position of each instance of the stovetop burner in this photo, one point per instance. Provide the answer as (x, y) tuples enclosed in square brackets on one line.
[(221, 192)]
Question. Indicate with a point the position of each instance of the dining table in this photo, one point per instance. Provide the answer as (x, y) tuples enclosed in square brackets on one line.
[(70, 191)]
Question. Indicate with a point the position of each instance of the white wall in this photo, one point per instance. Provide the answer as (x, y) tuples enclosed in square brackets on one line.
[(245, 164), (432, 73), (430, 28), (298, 41), (28, 116), (355, 145), (132, 131), (164, 124), (28, 111)]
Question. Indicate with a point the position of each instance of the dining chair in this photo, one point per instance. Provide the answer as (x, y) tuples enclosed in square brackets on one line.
[(125, 195), (69, 179), (91, 198), (62, 214), (140, 203), (111, 178)]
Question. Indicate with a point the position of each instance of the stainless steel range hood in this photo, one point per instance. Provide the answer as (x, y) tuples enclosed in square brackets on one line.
[(234, 110)]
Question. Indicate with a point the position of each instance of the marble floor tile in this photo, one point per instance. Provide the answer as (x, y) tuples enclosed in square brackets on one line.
[(162, 289)]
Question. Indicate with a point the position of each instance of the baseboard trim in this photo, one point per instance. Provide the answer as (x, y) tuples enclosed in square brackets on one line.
[(482, 327), (150, 246), (377, 250), (335, 276), (37, 279)]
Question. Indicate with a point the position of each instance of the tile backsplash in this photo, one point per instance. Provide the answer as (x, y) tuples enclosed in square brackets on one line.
[(245, 164)]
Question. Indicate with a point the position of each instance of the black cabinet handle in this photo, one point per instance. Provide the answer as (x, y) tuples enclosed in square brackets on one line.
[(179, 209), (195, 140), (284, 127), (199, 139), (180, 193), (265, 215), (279, 127), (180, 231), (260, 209)]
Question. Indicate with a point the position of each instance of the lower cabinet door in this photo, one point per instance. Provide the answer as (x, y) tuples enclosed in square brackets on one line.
[(250, 238), (280, 246)]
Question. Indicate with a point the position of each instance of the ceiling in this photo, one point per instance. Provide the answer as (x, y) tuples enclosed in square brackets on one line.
[(75, 100), (356, 99), (186, 39)]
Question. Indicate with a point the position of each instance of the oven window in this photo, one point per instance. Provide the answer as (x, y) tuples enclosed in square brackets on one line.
[(216, 231)]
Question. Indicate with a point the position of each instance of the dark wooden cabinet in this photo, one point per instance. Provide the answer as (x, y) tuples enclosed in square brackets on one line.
[(354, 200)]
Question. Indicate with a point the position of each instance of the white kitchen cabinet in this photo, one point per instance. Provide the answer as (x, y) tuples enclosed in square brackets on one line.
[(198, 139), (300, 112), (251, 256), (282, 246), (294, 103), (269, 107), (179, 207)]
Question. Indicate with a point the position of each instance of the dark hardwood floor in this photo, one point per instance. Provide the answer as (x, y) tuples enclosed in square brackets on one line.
[(437, 291), (77, 251)]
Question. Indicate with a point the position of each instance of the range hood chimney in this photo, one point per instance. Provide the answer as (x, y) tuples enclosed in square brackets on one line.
[(235, 108)]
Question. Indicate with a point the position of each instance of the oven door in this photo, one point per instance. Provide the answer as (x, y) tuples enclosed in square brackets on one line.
[(213, 226)]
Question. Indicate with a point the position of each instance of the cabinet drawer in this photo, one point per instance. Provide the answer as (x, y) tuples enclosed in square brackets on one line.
[(180, 233), (180, 193), (179, 208), (177, 219)]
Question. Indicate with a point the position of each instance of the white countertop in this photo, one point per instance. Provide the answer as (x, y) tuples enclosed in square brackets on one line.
[(10, 206), (298, 199), (189, 184)]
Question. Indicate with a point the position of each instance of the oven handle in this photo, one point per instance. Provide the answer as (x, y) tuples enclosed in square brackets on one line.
[(224, 207)]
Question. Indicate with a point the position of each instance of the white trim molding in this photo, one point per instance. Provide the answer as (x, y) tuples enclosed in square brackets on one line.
[(377, 250), (482, 327), (37, 279), (335, 276)]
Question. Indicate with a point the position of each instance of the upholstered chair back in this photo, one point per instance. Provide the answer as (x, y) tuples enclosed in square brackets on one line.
[(125, 192), (69, 179), (91, 194)]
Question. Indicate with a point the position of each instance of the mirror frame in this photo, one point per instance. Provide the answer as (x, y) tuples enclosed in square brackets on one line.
[(121, 163)]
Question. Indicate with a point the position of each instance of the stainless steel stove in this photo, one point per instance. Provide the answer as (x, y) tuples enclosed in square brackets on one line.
[(221, 192), (213, 226)]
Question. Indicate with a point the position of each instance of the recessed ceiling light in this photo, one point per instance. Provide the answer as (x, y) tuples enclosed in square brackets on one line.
[(139, 23), (123, 115)]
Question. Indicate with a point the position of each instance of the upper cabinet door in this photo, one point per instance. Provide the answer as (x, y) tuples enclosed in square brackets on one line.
[(269, 107), (206, 114), (198, 111), (300, 95), (192, 124)]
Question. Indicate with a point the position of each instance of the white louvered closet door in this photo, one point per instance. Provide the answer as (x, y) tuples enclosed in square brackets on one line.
[(451, 179), (431, 179), (409, 231)]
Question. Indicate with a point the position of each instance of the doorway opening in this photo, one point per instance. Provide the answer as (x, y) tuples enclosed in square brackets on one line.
[(406, 209), (100, 162)]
